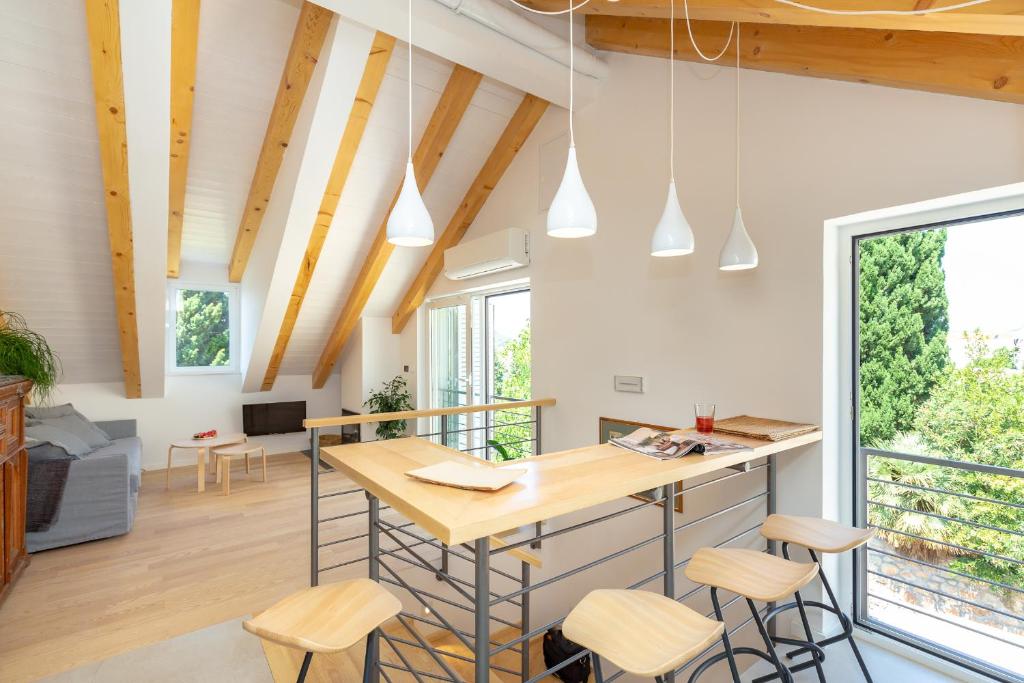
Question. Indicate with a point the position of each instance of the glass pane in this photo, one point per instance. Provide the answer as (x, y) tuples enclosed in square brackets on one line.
[(202, 334), (508, 374), (941, 375), (449, 362)]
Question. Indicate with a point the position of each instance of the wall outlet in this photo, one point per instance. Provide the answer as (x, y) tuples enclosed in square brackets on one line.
[(633, 384)]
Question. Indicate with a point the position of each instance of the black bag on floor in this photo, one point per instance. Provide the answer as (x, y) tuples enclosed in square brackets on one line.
[(557, 649)]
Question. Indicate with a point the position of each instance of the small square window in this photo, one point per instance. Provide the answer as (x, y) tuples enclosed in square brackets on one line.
[(202, 329)]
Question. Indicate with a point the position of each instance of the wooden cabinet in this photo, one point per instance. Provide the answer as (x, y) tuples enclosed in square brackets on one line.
[(13, 480)]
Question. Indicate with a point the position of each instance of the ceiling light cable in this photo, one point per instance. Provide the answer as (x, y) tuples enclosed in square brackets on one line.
[(882, 12), (572, 8), (693, 41)]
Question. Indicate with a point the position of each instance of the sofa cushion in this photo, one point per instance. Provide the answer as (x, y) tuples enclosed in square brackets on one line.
[(46, 412), (132, 447), (41, 433), (77, 425)]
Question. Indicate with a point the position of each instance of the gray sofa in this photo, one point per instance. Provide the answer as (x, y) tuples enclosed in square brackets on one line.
[(101, 493)]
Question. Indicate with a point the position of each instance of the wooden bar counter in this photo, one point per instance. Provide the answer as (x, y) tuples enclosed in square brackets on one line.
[(555, 483)]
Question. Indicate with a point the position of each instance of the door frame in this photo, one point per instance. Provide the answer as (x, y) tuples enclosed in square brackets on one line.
[(841, 475)]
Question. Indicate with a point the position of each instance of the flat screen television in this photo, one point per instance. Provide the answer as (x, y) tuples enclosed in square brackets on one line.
[(283, 417)]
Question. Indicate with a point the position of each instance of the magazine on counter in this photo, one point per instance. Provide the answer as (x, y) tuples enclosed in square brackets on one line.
[(669, 446)]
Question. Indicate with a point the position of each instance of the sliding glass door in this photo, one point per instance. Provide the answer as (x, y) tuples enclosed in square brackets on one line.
[(480, 353), (939, 424)]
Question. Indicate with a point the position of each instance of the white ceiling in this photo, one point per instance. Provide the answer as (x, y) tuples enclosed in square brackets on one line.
[(55, 260), (242, 49)]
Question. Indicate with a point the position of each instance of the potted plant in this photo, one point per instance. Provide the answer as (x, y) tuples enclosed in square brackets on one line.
[(391, 398), (26, 353)]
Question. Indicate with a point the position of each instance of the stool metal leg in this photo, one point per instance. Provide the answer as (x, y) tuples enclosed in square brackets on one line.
[(725, 636), (847, 626), (370, 657), (784, 673), (598, 676), (305, 667), (805, 621)]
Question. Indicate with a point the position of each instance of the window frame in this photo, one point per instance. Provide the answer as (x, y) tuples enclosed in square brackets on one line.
[(233, 293)]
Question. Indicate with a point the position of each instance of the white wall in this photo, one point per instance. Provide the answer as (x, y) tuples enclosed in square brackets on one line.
[(196, 403), (751, 341)]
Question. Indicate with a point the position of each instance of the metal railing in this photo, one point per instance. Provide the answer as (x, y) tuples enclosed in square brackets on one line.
[(872, 582), (499, 599), (402, 540)]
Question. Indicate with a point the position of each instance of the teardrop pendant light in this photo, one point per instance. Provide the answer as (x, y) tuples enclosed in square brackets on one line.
[(409, 224), (673, 235), (571, 213), (738, 252)]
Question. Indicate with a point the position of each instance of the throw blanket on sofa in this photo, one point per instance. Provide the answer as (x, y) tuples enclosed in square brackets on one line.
[(48, 468)]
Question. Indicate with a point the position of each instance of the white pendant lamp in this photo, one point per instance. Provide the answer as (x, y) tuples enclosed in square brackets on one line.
[(673, 235), (738, 252), (571, 213), (409, 224)]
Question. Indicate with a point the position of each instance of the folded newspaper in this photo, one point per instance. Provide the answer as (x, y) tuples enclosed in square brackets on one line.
[(669, 446)]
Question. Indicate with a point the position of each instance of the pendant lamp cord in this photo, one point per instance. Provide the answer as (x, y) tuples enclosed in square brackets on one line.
[(672, 93), (572, 69), (410, 80), (738, 116)]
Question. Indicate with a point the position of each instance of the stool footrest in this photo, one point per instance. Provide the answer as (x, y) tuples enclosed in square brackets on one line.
[(715, 659)]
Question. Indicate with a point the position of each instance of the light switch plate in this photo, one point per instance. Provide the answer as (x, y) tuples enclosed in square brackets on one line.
[(633, 384)]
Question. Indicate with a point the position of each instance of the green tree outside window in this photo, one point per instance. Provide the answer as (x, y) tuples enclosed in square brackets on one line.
[(201, 329)]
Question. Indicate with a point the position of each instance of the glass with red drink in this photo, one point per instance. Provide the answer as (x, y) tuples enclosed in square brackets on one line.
[(705, 413)]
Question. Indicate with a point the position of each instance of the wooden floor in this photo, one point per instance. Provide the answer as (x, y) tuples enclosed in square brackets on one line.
[(192, 560)]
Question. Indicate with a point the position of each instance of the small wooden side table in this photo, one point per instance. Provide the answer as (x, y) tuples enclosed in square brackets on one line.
[(224, 455), (201, 446)]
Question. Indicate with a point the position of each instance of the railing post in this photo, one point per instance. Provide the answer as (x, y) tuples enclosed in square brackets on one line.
[(770, 505), (314, 506), (524, 620), (482, 611), (444, 430), (537, 431), (669, 551), (373, 569)]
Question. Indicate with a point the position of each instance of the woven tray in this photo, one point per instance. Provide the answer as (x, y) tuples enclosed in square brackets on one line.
[(762, 428)]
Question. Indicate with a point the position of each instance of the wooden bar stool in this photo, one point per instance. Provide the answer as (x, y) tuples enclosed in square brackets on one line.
[(817, 535), (329, 619), (643, 633), (755, 576)]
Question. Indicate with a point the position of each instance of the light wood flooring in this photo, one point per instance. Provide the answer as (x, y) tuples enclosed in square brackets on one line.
[(192, 560)]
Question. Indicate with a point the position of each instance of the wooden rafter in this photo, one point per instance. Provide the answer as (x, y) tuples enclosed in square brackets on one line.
[(104, 28), (310, 33), (366, 94), (512, 139), (986, 67), (443, 122), (184, 44), (996, 17)]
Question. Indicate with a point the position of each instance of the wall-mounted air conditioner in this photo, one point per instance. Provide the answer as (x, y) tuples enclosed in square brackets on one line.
[(493, 253)]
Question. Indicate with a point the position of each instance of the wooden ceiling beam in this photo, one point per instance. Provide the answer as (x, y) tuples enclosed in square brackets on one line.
[(986, 67), (307, 41), (373, 75), (996, 17), (184, 46), (519, 127), (104, 29), (443, 122)]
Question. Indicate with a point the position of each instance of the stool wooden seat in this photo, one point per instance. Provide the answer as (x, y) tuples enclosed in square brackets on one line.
[(750, 573), (326, 619), (643, 633), (817, 534)]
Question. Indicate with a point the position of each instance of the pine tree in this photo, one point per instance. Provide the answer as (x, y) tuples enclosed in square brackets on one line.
[(904, 320)]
